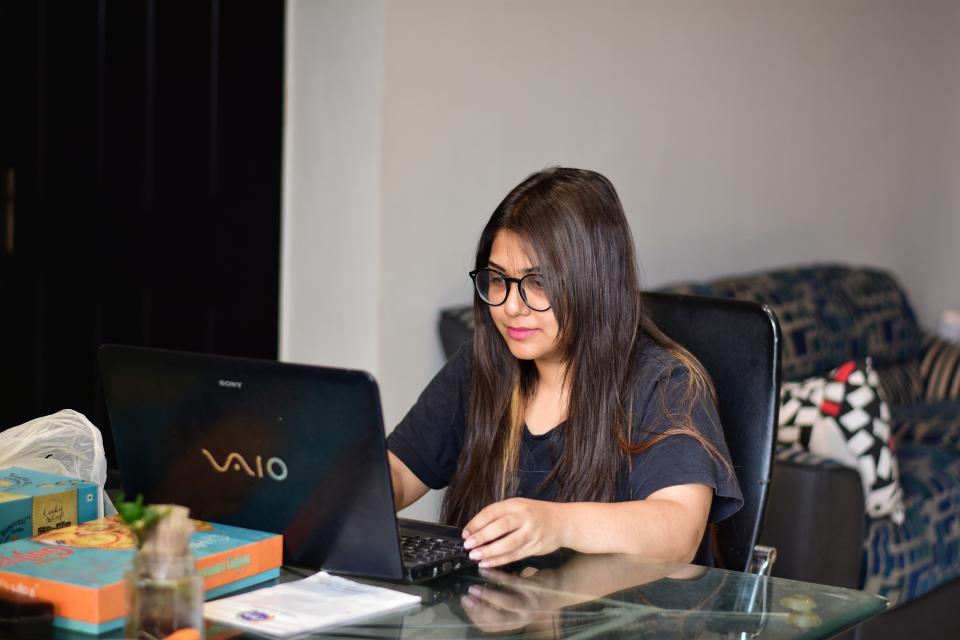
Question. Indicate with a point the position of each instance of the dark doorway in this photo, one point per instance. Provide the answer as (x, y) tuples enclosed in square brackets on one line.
[(140, 158)]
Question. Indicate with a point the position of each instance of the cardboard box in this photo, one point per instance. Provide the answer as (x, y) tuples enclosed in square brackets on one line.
[(33, 503), (81, 569)]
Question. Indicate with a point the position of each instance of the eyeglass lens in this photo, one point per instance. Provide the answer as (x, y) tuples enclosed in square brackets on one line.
[(494, 289)]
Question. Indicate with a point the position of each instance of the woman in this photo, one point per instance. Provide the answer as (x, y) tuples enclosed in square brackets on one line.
[(571, 420)]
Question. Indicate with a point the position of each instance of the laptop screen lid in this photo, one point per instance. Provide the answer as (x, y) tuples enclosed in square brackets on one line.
[(293, 449)]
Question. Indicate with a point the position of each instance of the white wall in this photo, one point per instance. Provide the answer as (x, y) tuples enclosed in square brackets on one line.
[(331, 183), (933, 275), (741, 135)]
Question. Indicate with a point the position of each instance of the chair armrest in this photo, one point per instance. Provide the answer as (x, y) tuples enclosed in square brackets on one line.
[(815, 518)]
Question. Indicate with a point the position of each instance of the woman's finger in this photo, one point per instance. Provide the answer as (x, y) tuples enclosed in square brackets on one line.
[(504, 558), (509, 548), (492, 531), (483, 518), (506, 600), (504, 579), (490, 619)]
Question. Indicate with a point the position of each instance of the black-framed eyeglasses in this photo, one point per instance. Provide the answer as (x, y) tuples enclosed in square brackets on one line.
[(494, 288)]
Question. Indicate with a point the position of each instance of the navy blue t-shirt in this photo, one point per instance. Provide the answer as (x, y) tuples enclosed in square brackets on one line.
[(429, 438)]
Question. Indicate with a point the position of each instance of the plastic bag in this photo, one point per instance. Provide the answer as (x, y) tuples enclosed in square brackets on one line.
[(65, 443)]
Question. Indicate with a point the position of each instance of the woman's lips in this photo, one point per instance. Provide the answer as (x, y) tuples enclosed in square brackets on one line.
[(518, 333)]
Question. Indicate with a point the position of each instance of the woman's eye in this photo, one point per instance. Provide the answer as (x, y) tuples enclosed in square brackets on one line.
[(496, 280), (533, 283)]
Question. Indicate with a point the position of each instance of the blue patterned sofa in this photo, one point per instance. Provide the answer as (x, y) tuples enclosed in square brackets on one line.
[(830, 314)]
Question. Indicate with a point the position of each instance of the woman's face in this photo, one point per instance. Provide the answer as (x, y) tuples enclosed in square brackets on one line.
[(529, 334)]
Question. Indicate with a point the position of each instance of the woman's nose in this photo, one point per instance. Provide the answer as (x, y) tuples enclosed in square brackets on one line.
[(514, 304)]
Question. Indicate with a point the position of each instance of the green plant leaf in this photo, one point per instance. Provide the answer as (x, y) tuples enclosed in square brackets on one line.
[(140, 518)]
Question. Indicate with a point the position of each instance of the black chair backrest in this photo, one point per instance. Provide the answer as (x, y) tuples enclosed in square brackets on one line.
[(739, 344)]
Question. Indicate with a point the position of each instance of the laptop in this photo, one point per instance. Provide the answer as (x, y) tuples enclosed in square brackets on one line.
[(293, 449)]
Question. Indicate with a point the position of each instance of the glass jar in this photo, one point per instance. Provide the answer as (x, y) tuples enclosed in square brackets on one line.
[(164, 595)]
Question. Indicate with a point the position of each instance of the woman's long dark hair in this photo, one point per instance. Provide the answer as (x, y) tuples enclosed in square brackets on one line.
[(574, 229)]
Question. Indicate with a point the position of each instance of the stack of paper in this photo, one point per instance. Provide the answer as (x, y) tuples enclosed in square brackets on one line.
[(311, 604)]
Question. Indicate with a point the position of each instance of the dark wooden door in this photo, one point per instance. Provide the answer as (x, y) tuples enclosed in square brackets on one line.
[(140, 162)]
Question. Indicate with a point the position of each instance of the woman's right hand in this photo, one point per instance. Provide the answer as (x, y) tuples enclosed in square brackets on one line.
[(513, 529)]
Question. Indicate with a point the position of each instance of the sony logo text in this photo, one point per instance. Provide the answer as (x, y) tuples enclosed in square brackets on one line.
[(231, 384)]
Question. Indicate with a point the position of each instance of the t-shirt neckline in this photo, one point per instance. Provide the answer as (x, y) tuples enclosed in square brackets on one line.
[(543, 436)]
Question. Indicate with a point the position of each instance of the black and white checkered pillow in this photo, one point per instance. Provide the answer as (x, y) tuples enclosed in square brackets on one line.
[(842, 416)]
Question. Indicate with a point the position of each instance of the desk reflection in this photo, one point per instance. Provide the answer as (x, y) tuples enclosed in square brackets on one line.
[(543, 597), (618, 596), (569, 595)]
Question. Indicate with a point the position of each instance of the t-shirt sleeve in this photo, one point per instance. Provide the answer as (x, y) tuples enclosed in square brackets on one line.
[(429, 438), (681, 459)]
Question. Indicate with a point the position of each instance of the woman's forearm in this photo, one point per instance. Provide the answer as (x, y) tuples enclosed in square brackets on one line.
[(668, 526), (661, 527)]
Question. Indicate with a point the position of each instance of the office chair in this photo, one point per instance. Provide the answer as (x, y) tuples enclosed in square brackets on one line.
[(738, 343)]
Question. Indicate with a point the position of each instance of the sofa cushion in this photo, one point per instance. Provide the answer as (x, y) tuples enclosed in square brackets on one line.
[(931, 423), (940, 368), (886, 328), (904, 561), (901, 383), (843, 417), (828, 314)]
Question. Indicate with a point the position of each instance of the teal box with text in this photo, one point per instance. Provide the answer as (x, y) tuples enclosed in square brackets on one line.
[(33, 502)]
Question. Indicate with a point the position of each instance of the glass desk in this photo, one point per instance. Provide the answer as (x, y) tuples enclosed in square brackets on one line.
[(610, 596)]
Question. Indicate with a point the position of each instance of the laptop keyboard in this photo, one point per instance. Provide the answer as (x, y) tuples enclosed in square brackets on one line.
[(428, 556), (429, 550)]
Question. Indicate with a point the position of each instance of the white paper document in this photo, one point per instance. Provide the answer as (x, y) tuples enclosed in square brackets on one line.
[(318, 602)]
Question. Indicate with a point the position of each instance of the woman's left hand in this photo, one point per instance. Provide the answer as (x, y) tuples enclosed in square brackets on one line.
[(506, 531)]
